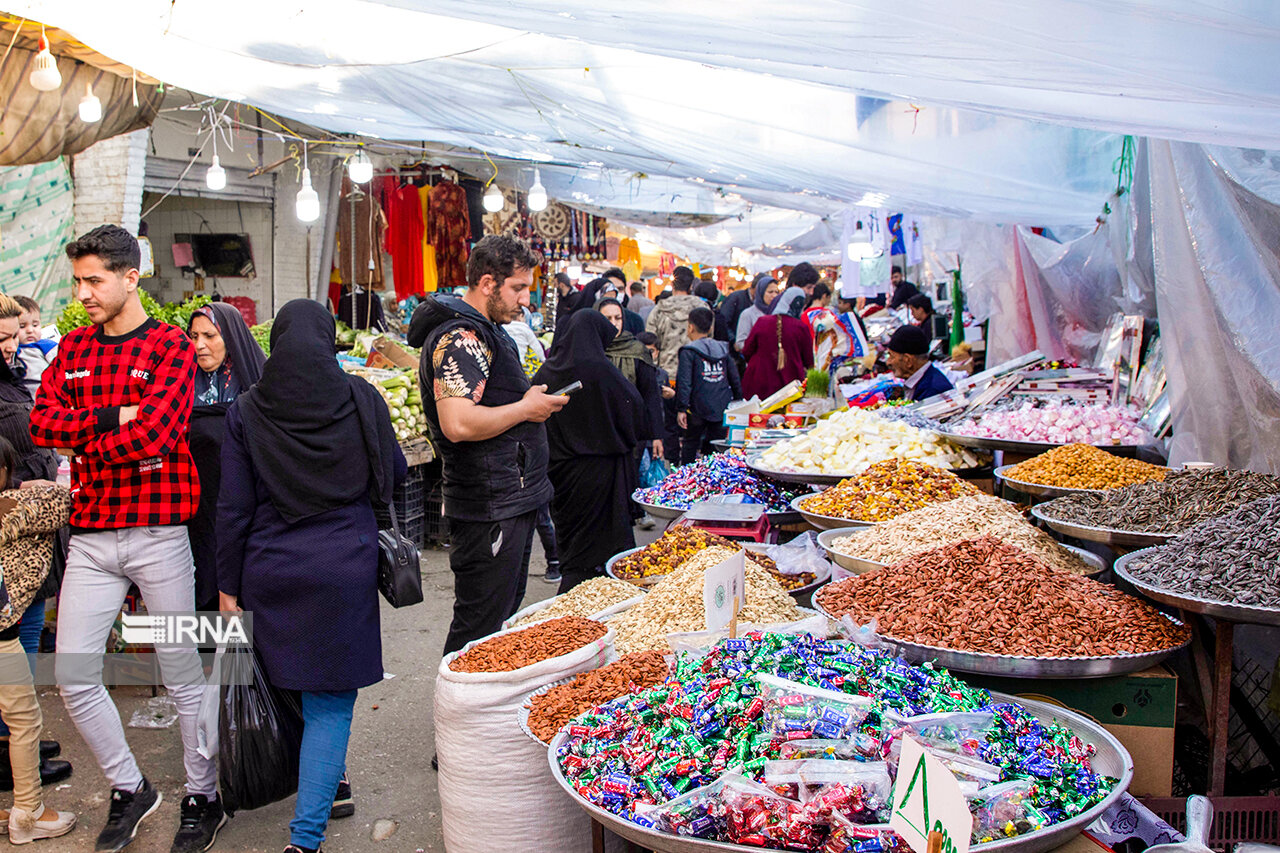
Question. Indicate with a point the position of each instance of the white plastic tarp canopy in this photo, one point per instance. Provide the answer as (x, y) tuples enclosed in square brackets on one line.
[(1002, 111)]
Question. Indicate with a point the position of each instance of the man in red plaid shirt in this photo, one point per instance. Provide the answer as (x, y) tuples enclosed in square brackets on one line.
[(119, 396)]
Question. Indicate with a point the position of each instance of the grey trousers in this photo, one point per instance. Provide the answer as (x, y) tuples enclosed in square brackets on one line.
[(100, 568)]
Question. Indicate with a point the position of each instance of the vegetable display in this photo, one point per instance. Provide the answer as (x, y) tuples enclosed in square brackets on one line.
[(404, 400)]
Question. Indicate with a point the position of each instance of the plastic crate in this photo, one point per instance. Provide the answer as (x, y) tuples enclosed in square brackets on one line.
[(408, 503), (435, 525), (1235, 819)]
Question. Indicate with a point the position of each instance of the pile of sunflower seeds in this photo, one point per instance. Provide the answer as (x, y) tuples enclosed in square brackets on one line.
[(1233, 558), (1181, 501)]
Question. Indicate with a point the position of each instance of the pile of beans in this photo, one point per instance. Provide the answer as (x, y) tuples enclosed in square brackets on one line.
[(1183, 499), (518, 649), (980, 595), (586, 599), (675, 605), (941, 524), (629, 674), (1233, 558), (1083, 466), (888, 489)]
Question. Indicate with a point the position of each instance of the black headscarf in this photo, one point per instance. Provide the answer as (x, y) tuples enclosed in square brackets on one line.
[(307, 422), (244, 359), (606, 417)]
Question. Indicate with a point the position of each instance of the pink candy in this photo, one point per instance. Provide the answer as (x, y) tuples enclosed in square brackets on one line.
[(1059, 423)]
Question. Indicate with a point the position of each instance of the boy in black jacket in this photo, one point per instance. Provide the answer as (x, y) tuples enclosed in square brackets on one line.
[(706, 382)]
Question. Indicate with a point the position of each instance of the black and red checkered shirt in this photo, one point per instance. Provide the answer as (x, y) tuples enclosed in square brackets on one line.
[(140, 474)]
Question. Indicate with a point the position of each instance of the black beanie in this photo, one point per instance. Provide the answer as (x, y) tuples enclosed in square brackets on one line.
[(909, 340)]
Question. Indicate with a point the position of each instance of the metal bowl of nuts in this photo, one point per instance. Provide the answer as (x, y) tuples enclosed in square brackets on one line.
[(859, 565), (1105, 535), (825, 522), (1228, 611), (1037, 489), (1110, 758), (797, 585)]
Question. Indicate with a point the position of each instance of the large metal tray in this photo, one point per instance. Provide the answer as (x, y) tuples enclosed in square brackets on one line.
[(1105, 535), (825, 522), (1021, 666), (858, 565), (658, 511), (1111, 759), (1030, 448), (1247, 614), (1038, 488), (797, 593)]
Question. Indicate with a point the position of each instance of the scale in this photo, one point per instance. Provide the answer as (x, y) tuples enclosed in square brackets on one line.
[(729, 516)]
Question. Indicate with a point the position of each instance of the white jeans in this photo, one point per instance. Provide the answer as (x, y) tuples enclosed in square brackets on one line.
[(100, 568)]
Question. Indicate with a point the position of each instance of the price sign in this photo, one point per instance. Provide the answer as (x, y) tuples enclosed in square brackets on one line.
[(927, 799), (724, 591)]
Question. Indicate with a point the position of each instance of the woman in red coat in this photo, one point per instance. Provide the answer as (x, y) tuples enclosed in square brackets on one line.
[(780, 347)]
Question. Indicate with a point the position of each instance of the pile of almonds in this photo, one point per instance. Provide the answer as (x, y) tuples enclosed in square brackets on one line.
[(980, 595), (518, 649), (1083, 466), (629, 674)]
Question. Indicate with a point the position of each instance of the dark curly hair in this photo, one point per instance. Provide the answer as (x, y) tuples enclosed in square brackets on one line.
[(115, 247), (499, 255)]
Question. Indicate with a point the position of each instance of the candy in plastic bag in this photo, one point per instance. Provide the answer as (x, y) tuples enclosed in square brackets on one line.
[(1005, 810)]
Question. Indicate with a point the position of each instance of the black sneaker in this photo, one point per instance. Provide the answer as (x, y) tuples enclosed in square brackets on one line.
[(293, 848), (48, 749), (201, 820), (128, 809), (553, 573), (343, 804)]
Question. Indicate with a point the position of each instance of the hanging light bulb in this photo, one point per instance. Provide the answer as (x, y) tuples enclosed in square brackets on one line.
[(216, 177), (537, 199), (44, 72), (493, 200), (90, 106), (308, 204), (574, 271), (360, 167), (860, 248)]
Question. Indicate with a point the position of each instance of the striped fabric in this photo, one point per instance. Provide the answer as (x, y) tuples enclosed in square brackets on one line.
[(35, 223)]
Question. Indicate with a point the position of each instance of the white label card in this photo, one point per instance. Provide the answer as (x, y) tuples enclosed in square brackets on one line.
[(927, 798), (721, 585)]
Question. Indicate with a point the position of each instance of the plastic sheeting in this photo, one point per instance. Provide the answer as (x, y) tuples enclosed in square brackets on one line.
[(35, 223), (1218, 293)]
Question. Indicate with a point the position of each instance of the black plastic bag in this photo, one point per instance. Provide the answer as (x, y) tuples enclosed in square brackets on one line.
[(259, 735)]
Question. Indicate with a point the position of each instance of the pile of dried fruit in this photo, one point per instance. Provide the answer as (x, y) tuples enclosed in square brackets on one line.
[(1183, 499), (888, 489), (673, 548), (1233, 558), (1083, 466), (518, 649), (941, 524), (675, 605), (629, 674), (981, 595), (586, 599)]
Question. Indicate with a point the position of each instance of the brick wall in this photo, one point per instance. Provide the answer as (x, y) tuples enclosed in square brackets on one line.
[(107, 178)]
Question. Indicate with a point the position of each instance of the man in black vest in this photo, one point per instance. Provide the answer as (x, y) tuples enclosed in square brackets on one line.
[(487, 422)]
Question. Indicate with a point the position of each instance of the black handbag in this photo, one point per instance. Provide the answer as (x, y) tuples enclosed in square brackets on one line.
[(399, 569)]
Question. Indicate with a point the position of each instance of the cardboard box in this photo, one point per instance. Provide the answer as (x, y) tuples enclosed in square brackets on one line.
[(1139, 709), (394, 353)]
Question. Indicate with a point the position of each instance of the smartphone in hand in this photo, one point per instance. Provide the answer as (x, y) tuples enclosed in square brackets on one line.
[(568, 389)]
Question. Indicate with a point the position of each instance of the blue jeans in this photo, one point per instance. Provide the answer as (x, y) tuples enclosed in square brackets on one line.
[(326, 728), (29, 635)]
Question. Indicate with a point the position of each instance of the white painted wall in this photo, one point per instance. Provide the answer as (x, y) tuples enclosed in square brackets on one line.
[(107, 177)]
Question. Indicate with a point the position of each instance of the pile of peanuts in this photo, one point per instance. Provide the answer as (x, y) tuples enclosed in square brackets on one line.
[(518, 649), (888, 489), (586, 599), (1083, 466), (675, 605), (980, 595), (629, 674), (940, 524)]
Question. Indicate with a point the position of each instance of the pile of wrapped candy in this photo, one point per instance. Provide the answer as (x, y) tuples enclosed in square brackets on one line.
[(1059, 423), (719, 474), (792, 742)]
